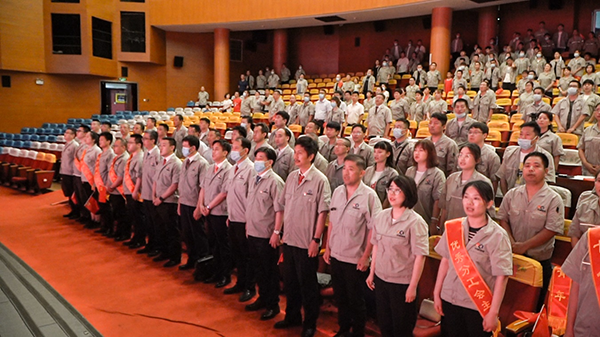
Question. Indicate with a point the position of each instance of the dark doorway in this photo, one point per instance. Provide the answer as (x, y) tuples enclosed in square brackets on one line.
[(118, 96)]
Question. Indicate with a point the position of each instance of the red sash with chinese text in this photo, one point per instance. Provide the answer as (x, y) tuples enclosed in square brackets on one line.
[(112, 175), (594, 248), (99, 183), (560, 288), (467, 272)]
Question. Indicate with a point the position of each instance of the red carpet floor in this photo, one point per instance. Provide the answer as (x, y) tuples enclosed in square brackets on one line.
[(119, 292)]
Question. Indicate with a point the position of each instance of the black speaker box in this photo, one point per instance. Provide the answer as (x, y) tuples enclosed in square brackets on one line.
[(178, 61)]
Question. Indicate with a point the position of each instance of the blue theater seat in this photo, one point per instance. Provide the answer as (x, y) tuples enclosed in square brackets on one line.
[(35, 138)]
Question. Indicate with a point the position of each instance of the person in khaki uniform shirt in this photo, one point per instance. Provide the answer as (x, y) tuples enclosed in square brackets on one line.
[(477, 76), (492, 75), (418, 108), (368, 82), (133, 178), (591, 99), (378, 175), (437, 104), (273, 80), (247, 100), (583, 309), (293, 110), (548, 140), (400, 245), (348, 250), (433, 77), (532, 111), (89, 158), (532, 214), (306, 112), (212, 204), (203, 97), (116, 190), (301, 85), (179, 133), (445, 147), (67, 168), (147, 173), (307, 192), (563, 82), (458, 127), (280, 121), (265, 189), (379, 118), (420, 77), (335, 168), (399, 106), (510, 173), (484, 103), (81, 135), (522, 63), (193, 169), (588, 146), (577, 64), (261, 130), (587, 214), (402, 146), (458, 81), (571, 111), (451, 196), (284, 164), (276, 106), (490, 160), (411, 90), (359, 146), (332, 130), (430, 182), (489, 248), (103, 166), (239, 178)]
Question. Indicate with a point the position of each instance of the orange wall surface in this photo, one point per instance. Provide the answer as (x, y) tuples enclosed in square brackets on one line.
[(22, 35)]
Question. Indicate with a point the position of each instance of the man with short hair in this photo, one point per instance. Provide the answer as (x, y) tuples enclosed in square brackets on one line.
[(322, 109), (179, 133), (151, 124), (334, 172), (116, 189), (292, 109), (124, 130), (193, 169), (261, 130), (571, 112), (360, 147), (306, 195), (403, 149), (248, 124), (105, 126), (67, 176), (246, 108), (204, 128), (354, 110), (280, 121), (277, 106), (80, 135), (532, 214), (510, 173), (484, 103), (146, 179), (101, 183), (203, 98), (284, 164), (261, 81), (163, 131), (212, 136), (458, 127), (96, 126), (532, 111), (446, 148), (332, 130), (380, 117), (138, 128), (301, 85), (489, 164), (267, 102), (132, 184), (306, 112), (285, 74), (240, 176), (273, 80), (434, 78)]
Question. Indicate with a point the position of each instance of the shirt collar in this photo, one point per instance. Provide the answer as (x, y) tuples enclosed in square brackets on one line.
[(193, 158), (167, 158), (307, 173)]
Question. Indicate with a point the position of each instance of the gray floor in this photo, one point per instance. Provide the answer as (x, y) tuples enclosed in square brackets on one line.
[(29, 306)]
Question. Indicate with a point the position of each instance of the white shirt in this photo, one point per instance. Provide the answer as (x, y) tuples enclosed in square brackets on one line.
[(353, 112), (321, 109)]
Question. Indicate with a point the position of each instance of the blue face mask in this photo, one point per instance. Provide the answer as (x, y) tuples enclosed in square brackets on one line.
[(235, 155), (333, 104), (460, 116), (259, 166), (185, 151), (525, 144)]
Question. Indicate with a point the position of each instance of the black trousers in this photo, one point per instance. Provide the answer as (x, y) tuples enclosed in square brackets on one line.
[(461, 322), (301, 286), (546, 276), (120, 214), (218, 240), (167, 231), (395, 317), (136, 219), (509, 86), (148, 227), (348, 288), (82, 193), (241, 255), (107, 222), (320, 123), (68, 188), (193, 234), (263, 259)]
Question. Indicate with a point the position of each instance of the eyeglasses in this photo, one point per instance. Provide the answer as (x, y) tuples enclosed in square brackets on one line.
[(393, 191)]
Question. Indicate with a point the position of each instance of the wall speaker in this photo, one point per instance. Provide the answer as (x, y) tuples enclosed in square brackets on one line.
[(379, 26), (357, 42), (259, 36), (124, 71), (555, 5), (427, 22), (5, 81), (328, 30), (178, 61)]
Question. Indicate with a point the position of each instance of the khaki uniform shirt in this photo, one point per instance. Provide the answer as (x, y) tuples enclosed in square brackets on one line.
[(119, 167), (410, 92), (306, 111), (237, 186), (203, 98), (561, 110), (528, 217), (370, 83), (148, 171), (398, 243), (327, 150), (451, 196), (215, 183), (179, 135), (587, 214), (433, 78), (429, 189), (546, 78), (492, 75), (254, 147), (135, 170), (489, 163), (246, 109), (260, 209), (365, 151), (417, 111), (167, 175), (293, 110), (261, 82), (381, 184), (334, 174), (403, 155), (379, 118), (491, 253), (577, 66), (91, 155), (67, 159), (368, 104), (304, 201), (577, 267), (285, 162), (563, 83), (447, 153), (482, 105), (522, 64), (276, 106), (531, 112), (590, 143), (437, 106), (400, 108), (476, 79), (459, 132), (351, 223), (511, 168), (105, 161), (193, 170), (552, 143), (301, 86), (320, 163), (273, 80)]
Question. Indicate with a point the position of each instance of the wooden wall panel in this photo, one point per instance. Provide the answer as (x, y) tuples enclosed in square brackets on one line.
[(22, 35)]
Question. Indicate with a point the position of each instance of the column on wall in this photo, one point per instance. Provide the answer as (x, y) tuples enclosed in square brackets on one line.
[(488, 25), (221, 63), (280, 49), (441, 25)]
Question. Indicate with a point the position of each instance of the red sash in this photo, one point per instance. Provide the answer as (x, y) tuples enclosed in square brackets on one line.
[(99, 183), (560, 288), (77, 161), (113, 176), (594, 248), (86, 170), (467, 272)]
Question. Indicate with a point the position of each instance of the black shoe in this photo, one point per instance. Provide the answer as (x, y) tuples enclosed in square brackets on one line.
[(89, 224), (136, 245), (101, 230), (109, 234), (144, 250), (160, 258), (128, 243), (74, 217), (212, 279), (153, 253), (223, 282), (247, 295), (67, 215), (121, 238), (83, 221), (310, 332), (256, 305), (269, 314), (189, 265), (343, 333), (233, 290), (171, 263), (285, 324)]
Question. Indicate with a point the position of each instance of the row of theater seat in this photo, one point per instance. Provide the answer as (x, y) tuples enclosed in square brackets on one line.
[(33, 138), (27, 170)]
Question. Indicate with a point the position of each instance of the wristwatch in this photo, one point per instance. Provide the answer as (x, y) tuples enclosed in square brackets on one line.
[(208, 207), (276, 232), (317, 240), (161, 198)]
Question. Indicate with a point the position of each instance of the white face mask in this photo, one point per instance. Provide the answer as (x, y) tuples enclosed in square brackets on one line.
[(385, 64), (306, 99), (576, 54), (537, 97), (530, 77), (243, 125), (300, 67), (321, 96), (572, 91), (461, 116), (399, 133), (185, 151), (522, 55), (525, 144), (538, 55)]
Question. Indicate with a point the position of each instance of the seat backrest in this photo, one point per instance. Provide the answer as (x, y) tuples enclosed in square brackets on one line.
[(523, 288)]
